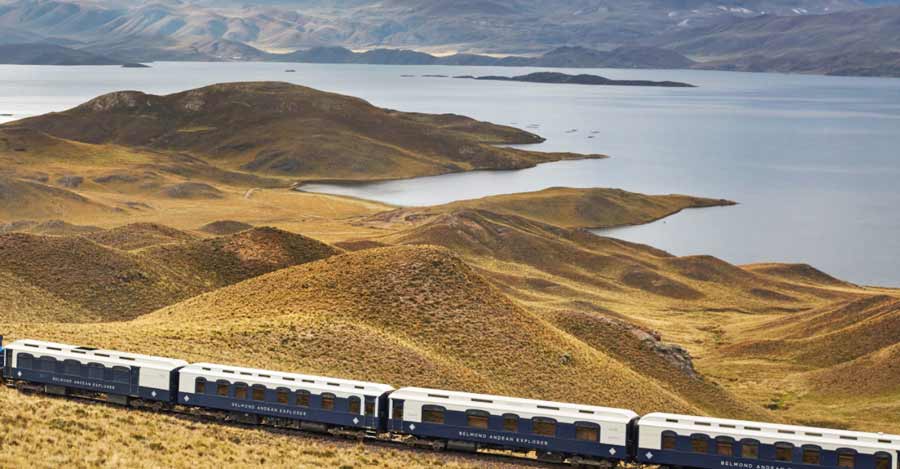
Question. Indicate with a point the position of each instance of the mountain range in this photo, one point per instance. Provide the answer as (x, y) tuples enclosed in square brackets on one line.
[(831, 36)]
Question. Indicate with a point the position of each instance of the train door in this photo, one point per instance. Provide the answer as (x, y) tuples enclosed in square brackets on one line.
[(396, 417)]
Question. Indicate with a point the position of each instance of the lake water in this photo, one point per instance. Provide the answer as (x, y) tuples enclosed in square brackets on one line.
[(813, 161)]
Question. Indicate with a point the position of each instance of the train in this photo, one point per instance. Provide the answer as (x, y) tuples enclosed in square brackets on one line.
[(556, 432)]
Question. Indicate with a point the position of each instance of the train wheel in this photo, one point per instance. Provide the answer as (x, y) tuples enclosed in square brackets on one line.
[(554, 458)]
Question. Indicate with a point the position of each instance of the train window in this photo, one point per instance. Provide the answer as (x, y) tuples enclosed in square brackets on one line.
[(241, 391), (397, 410), (370, 406), (750, 449), (259, 393), (812, 455), (303, 398), (222, 388), (784, 452), (328, 401), (882, 461), (47, 363), (725, 446), (477, 418), (95, 370), (72, 367), (432, 414), (669, 440), (587, 432), (200, 386), (25, 361), (846, 458), (353, 402), (511, 422), (700, 443), (282, 396), (120, 374), (543, 426)]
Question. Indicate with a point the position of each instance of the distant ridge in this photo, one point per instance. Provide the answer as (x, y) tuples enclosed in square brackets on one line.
[(571, 57), (50, 54)]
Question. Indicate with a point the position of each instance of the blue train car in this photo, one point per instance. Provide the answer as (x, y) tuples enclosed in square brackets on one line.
[(709, 443), (477, 421), (61, 369), (3, 360), (254, 394)]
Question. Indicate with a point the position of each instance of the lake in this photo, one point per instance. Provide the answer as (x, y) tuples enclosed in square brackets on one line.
[(813, 161)]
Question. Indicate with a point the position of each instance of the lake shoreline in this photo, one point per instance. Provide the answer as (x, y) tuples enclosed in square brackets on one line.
[(298, 185)]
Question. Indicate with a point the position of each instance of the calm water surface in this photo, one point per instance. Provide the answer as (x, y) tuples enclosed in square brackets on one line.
[(813, 161)]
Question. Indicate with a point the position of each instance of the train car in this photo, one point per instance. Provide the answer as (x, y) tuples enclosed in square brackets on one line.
[(3, 360), (557, 431), (308, 402), (68, 369), (708, 443)]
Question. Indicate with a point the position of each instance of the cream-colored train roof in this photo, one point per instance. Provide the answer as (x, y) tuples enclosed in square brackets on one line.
[(87, 354), (518, 406), (773, 432), (276, 379)]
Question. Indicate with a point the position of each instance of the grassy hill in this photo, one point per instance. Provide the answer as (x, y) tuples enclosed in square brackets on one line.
[(280, 129), (509, 305), (567, 207), (617, 296), (99, 277), (835, 365), (20, 198), (135, 222), (416, 316), (138, 236), (22, 302)]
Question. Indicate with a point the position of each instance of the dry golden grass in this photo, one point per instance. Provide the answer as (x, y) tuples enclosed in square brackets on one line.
[(114, 284), (832, 365), (41, 432), (402, 315), (20, 301), (578, 282), (21, 198), (565, 207), (514, 302), (138, 236), (285, 130)]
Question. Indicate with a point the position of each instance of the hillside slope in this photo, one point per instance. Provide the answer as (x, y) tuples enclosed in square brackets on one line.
[(411, 315), (112, 284), (281, 129), (50, 54), (565, 207), (21, 198)]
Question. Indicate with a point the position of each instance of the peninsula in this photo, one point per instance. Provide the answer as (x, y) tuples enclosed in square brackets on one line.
[(581, 79)]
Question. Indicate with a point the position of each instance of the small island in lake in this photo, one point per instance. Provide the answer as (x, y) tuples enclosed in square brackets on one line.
[(135, 65), (582, 79)]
